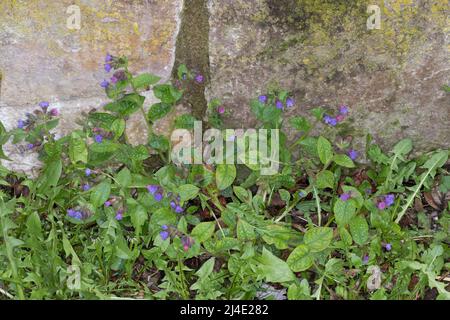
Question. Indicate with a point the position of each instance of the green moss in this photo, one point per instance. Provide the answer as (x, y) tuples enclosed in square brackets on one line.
[(192, 49)]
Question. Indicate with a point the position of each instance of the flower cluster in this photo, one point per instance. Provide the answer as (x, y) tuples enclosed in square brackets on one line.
[(333, 121), (289, 103), (386, 202), (112, 63), (156, 191), (77, 214)]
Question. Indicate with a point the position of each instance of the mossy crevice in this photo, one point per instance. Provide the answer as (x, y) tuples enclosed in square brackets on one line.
[(192, 49)]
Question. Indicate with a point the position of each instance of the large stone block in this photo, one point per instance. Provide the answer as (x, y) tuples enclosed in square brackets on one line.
[(43, 58), (322, 51)]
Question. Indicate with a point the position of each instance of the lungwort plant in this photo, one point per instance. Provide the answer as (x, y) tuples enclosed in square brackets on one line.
[(106, 218)]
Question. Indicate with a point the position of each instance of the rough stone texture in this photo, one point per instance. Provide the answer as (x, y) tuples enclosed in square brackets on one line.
[(391, 78), (41, 59)]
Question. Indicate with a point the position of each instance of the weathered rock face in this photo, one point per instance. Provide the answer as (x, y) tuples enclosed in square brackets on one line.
[(321, 51), (44, 57), (391, 78)]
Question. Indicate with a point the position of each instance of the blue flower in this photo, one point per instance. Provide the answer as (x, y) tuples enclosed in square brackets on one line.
[(30, 146), (88, 172), (388, 246), (75, 214), (353, 154), (98, 138), (262, 99), (279, 104), (289, 102), (20, 124), (173, 205), (158, 196), (44, 104), (104, 84), (152, 189), (179, 209), (343, 110), (108, 67), (330, 120), (108, 203), (86, 187), (164, 227), (108, 58), (345, 196), (199, 78), (119, 215), (164, 235), (389, 199)]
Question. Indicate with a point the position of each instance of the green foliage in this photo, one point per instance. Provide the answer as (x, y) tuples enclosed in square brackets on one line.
[(108, 219)]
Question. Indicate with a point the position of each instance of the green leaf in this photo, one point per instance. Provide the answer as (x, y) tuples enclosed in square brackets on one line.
[(167, 93), (343, 160), (124, 177), (188, 192), (50, 176), (403, 147), (206, 269), (225, 175), (106, 146), (158, 111), (300, 259), (144, 80), (118, 128), (138, 216), (325, 179), (300, 124), (318, 239), (245, 231), (273, 269), (127, 105), (344, 211), (100, 193), (325, 150), (359, 229), (203, 231), (77, 149)]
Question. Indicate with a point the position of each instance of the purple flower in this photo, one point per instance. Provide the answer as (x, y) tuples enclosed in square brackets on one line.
[(179, 209), (119, 215), (108, 203), (279, 104), (345, 196), (44, 104), (108, 58), (343, 110), (199, 78), (164, 235), (152, 189), (114, 80), (88, 172), (30, 146), (353, 154), (158, 196), (388, 246), (86, 187), (164, 227), (20, 124), (289, 102), (98, 138), (389, 200), (262, 99), (75, 214), (221, 110), (173, 205), (381, 205), (108, 67), (104, 84), (187, 243), (330, 120), (54, 112), (365, 259), (340, 118)]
